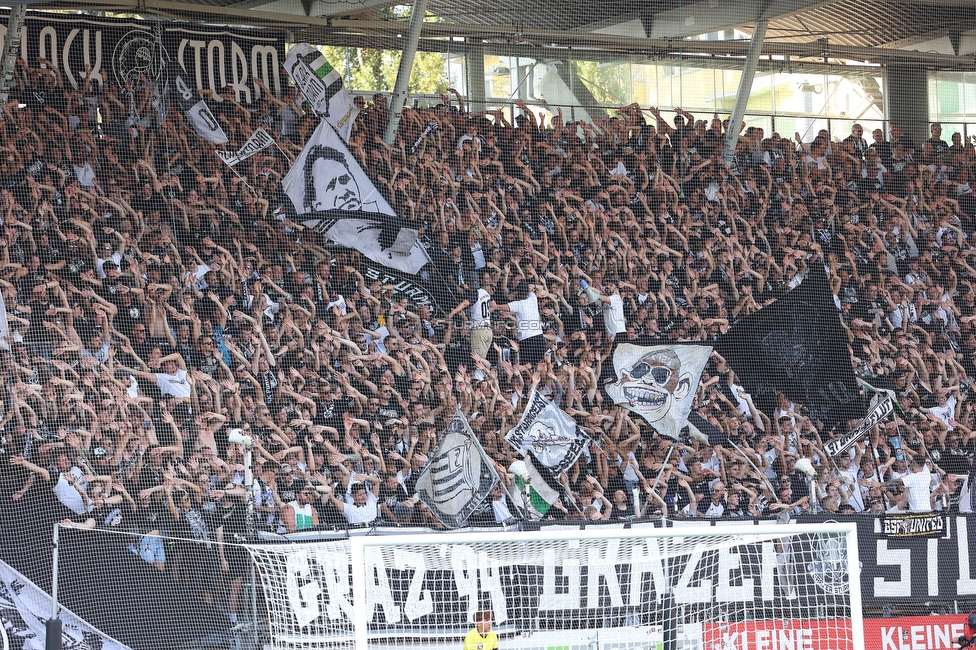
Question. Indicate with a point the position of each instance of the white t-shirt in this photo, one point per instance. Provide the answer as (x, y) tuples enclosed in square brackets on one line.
[(114, 257), (500, 508), (626, 468), (918, 490), (68, 495), (481, 310), (855, 498), (714, 510), (175, 385), (613, 316), (360, 514), (945, 413), (527, 320)]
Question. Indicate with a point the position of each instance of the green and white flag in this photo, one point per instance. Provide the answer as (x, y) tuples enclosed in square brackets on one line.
[(533, 487), (322, 86)]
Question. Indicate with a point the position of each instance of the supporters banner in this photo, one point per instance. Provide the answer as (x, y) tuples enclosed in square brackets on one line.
[(24, 610), (322, 86), (192, 105), (658, 382), (913, 524), (881, 410), (548, 434), (909, 569), (259, 141), (459, 477), (914, 632), (330, 189), (796, 345), (780, 634), (125, 51)]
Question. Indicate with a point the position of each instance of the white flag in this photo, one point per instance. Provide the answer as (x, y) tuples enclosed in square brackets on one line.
[(327, 184), (881, 410), (322, 86), (258, 141), (459, 477), (192, 105), (658, 382), (548, 433), (24, 609)]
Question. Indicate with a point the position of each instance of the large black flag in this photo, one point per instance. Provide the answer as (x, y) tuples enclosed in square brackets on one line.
[(797, 345)]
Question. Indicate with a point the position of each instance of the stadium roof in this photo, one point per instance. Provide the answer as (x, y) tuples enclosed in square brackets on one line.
[(938, 33)]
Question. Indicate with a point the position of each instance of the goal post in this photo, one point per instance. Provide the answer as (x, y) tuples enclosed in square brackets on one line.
[(733, 586)]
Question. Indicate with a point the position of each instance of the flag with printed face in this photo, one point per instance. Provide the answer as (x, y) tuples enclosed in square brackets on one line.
[(322, 86), (335, 197), (459, 477), (191, 104), (548, 434), (258, 141), (658, 382)]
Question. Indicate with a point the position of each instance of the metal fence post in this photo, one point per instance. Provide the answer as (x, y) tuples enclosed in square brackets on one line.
[(52, 640)]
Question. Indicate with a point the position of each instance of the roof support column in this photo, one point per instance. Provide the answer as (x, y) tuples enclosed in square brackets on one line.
[(474, 64), (745, 87), (406, 67)]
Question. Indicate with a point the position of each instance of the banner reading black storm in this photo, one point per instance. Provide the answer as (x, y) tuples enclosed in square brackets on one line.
[(125, 51)]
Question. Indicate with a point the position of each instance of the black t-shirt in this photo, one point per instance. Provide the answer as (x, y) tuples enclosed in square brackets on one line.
[(232, 519), (391, 497)]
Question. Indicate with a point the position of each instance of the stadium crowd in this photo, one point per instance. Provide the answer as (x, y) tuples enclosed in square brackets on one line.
[(157, 298)]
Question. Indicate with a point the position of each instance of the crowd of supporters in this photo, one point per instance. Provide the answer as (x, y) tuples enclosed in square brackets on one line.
[(157, 299)]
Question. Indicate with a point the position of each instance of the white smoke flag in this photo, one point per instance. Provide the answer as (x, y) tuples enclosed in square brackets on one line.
[(537, 495), (658, 382), (322, 86), (548, 433), (328, 184), (192, 106), (459, 477), (258, 141)]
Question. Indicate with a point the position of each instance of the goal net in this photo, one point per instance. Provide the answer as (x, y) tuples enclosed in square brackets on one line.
[(777, 587)]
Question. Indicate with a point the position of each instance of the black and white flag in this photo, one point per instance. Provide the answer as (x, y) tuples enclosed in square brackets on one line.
[(459, 477), (258, 141), (24, 610), (329, 188), (658, 382), (881, 410), (548, 434), (797, 346), (192, 105), (322, 86)]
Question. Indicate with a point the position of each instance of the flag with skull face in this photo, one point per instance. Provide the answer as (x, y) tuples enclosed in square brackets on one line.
[(658, 382)]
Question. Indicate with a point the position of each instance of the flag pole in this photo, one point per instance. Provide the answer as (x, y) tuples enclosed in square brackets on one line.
[(660, 472), (238, 174), (765, 479)]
